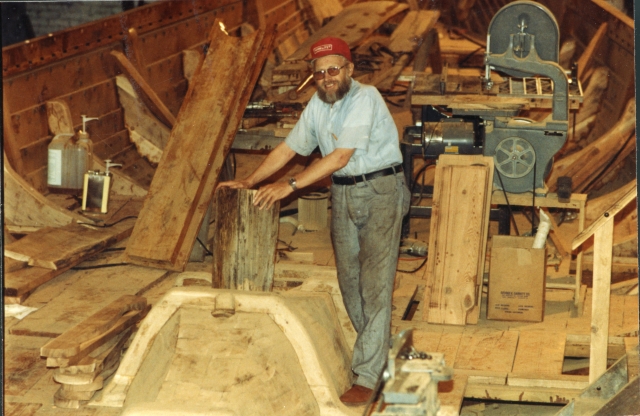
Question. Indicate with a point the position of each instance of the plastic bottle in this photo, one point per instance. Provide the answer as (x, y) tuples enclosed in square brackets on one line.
[(85, 160), (57, 163)]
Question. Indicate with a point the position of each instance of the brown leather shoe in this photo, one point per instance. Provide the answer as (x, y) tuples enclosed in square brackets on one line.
[(356, 396)]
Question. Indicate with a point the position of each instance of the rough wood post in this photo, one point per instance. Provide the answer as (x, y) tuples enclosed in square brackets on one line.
[(601, 295), (245, 240)]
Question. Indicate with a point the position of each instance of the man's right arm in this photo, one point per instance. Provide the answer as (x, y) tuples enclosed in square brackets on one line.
[(276, 159)]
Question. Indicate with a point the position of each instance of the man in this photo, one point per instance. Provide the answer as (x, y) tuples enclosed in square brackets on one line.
[(358, 139)]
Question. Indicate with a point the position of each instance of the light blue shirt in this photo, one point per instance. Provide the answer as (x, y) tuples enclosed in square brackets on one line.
[(360, 120)]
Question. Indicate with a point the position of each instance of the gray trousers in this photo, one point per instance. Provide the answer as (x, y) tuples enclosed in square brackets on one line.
[(366, 223)]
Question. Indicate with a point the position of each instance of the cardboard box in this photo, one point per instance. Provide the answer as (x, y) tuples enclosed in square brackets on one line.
[(516, 280)]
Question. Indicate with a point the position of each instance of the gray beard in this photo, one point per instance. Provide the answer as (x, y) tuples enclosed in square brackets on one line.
[(330, 98)]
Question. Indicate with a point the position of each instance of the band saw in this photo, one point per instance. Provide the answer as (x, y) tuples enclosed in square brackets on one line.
[(481, 114)]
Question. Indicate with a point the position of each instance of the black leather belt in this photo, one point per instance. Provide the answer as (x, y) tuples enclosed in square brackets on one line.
[(352, 180)]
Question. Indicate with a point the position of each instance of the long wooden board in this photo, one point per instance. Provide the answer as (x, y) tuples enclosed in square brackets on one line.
[(94, 290), (457, 241), (62, 247), (187, 174), (69, 343), (353, 24)]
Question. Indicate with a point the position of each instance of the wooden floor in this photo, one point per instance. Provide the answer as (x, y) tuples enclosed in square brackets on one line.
[(513, 361)]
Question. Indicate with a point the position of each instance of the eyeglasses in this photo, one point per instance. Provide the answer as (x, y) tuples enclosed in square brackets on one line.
[(333, 71)]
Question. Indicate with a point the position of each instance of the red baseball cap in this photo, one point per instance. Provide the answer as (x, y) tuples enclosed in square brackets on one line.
[(330, 46)]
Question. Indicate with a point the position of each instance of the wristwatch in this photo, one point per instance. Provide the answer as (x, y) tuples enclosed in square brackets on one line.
[(292, 182)]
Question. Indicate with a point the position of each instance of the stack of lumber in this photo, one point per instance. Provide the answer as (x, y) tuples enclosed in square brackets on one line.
[(44, 254), (88, 353), (458, 238)]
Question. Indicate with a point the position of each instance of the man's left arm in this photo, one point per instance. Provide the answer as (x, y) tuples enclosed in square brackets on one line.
[(336, 160)]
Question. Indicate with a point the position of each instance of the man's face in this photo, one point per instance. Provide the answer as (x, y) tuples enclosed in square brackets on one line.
[(333, 87)]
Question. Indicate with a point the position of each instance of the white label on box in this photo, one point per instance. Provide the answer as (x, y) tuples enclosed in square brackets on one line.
[(54, 171)]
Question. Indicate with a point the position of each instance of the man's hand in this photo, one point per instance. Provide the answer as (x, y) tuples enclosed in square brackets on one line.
[(269, 194)]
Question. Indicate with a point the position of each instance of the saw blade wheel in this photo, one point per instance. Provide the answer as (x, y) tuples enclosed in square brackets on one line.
[(514, 157)]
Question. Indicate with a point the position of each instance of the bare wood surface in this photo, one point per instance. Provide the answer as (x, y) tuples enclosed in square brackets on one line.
[(58, 248), (539, 352), (603, 240), (183, 185), (137, 117), (69, 343), (154, 103), (133, 51), (320, 10), (353, 24), (585, 59), (608, 215), (245, 241), (94, 290), (24, 205), (59, 117), (457, 240), (598, 206), (598, 153)]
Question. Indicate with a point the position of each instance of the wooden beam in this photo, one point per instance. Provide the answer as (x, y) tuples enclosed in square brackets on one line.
[(601, 296), (70, 343), (133, 51), (245, 242), (587, 55), (148, 95), (630, 195)]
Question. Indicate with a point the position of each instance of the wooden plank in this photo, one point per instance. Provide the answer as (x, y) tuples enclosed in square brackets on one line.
[(353, 24), (458, 237), (487, 350), (598, 153), (520, 394), (586, 58), (245, 240), (321, 10), (11, 265), (70, 342), (607, 216), (169, 222), (133, 50), (149, 96), (138, 118), (603, 240), (92, 364), (539, 352), (48, 83), (95, 289), (87, 37), (25, 206), (57, 248)]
